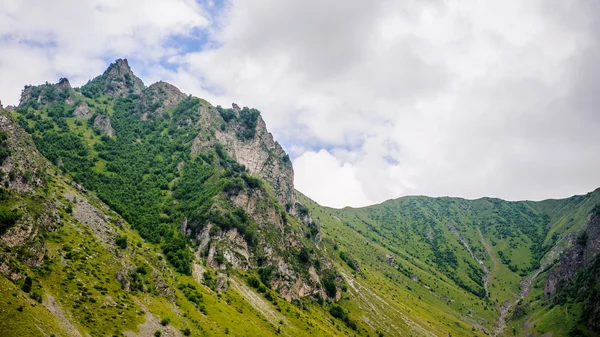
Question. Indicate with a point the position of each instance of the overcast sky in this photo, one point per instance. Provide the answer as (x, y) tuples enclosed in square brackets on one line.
[(373, 99)]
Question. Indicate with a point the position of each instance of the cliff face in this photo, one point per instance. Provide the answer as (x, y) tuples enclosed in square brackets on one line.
[(24, 169), (245, 138), (26, 215), (263, 157), (577, 276), (582, 254), (276, 248)]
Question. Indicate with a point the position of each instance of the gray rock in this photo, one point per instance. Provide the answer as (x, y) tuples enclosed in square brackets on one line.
[(157, 98), (102, 123), (119, 81), (82, 111)]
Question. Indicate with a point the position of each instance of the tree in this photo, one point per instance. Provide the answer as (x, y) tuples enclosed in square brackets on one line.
[(27, 284)]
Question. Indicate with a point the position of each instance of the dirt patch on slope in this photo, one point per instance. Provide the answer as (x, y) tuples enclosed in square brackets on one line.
[(151, 325), (55, 309), (92, 217), (261, 305)]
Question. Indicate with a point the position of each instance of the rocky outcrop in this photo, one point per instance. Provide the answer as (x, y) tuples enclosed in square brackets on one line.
[(102, 123), (125, 283), (24, 169), (157, 98), (262, 156), (584, 250), (46, 94), (117, 81), (21, 242), (278, 245), (82, 111), (63, 85)]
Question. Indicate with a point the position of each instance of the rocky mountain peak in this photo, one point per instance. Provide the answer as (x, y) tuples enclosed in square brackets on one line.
[(158, 97), (63, 85), (244, 136), (48, 93), (118, 80)]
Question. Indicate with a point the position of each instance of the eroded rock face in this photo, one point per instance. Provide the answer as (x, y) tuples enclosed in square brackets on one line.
[(102, 123), (119, 81), (28, 172), (584, 250), (47, 94), (263, 157), (260, 154), (82, 111), (157, 98), (23, 241)]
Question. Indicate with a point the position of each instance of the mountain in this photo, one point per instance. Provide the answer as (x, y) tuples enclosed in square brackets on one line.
[(129, 209), (493, 264)]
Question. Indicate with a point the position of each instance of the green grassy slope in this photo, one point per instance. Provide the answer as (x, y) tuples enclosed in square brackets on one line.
[(438, 245), (76, 289)]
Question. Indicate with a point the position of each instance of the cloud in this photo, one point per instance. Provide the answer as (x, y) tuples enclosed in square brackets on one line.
[(470, 99), (42, 40), (465, 99), (328, 180)]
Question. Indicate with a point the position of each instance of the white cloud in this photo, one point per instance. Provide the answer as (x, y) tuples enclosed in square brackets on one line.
[(466, 99), (42, 40), (328, 180)]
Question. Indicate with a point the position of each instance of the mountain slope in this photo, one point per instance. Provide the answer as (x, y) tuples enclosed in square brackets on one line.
[(134, 212), (129, 209), (479, 259)]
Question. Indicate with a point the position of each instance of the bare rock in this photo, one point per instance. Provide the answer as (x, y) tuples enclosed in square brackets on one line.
[(125, 284), (102, 123), (118, 80), (157, 98), (583, 252), (82, 111), (221, 282)]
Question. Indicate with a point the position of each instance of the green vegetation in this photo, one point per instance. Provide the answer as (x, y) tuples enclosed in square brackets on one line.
[(4, 150), (156, 223), (140, 175), (411, 257)]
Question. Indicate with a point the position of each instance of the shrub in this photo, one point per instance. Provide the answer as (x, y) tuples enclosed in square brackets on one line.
[(329, 285), (27, 284), (253, 282), (226, 114), (304, 255), (36, 296), (8, 218), (121, 242)]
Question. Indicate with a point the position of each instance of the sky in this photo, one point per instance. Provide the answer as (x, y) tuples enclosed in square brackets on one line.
[(373, 100)]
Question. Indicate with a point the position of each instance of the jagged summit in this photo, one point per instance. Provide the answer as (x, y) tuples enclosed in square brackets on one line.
[(117, 81), (158, 97)]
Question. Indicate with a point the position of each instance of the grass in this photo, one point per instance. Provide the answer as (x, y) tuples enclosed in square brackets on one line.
[(422, 288)]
